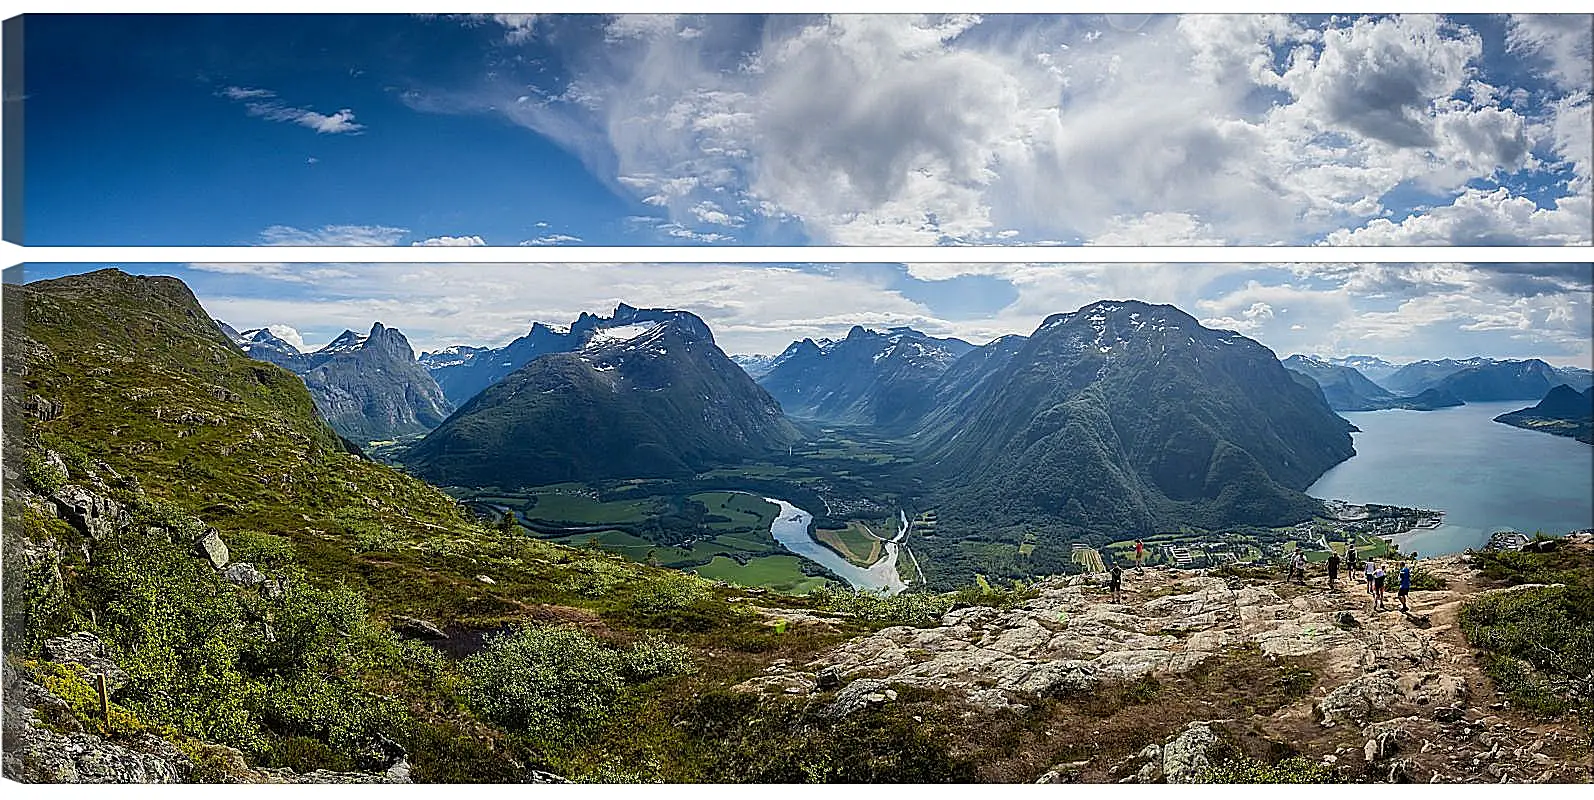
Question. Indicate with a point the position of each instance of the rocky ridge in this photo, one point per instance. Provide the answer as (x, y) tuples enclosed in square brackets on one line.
[(1395, 697)]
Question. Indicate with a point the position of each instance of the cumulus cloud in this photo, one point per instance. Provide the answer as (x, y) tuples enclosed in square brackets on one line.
[(451, 241), (1480, 217), (288, 334), (1199, 129), (264, 103)]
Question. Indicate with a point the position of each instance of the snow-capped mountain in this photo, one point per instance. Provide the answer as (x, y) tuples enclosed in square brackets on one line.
[(645, 392), (870, 377)]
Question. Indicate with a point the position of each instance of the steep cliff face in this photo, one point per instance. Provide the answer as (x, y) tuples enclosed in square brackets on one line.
[(370, 387)]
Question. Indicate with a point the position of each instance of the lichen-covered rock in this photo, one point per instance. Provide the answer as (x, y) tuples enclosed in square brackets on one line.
[(57, 750), (1186, 755), (244, 574), (857, 696), (1360, 699), (86, 650), (209, 546), (96, 516)]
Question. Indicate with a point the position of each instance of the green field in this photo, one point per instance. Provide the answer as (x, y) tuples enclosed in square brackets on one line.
[(584, 510), (1087, 558), (853, 543), (745, 511), (781, 573)]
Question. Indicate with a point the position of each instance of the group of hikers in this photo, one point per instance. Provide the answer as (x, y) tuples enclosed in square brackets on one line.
[(1375, 573)]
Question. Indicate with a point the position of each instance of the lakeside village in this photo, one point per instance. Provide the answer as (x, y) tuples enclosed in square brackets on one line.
[(1367, 526)]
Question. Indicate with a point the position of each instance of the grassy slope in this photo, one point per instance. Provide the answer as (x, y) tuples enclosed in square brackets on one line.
[(152, 390)]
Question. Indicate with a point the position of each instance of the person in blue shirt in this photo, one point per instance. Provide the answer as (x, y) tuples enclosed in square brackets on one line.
[(1405, 585)]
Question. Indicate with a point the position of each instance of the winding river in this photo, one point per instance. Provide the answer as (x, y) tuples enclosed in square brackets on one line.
[(790, 528)]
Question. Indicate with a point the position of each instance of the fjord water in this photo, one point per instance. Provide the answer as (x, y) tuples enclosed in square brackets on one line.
[(1485, 475)]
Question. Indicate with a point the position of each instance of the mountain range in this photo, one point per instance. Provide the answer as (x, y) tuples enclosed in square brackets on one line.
[(369, 387), (1346, 389), (879, 378), (645, 392)]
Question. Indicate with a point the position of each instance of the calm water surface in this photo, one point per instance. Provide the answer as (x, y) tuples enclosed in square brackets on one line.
[(1485, 476), (791, 530)]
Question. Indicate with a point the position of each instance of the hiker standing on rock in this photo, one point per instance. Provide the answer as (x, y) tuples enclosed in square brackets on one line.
[(1298, 569), (1333, 568), (1367, 567), (1405, 585), (1115, 582), (1378, 588)]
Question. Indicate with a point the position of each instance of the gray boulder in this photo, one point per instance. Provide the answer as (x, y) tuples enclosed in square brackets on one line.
[(244, 574), (1357, 701), (86, 650), (857, 696), (412, 628), (97, 517), (1185, 756), (210, 546)]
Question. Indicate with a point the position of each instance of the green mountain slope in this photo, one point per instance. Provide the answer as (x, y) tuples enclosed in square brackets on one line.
[(1125, 418), (658, 398), (1563, 411), (135, 431)]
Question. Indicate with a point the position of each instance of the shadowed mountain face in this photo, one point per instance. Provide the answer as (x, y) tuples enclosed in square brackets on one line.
[(885, 379), (1564, 412), (1486, 379), (1502, 380), (644, 393), (1124, 416), (369, 387)]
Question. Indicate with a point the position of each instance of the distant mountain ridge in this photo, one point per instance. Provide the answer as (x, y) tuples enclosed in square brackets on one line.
[(643, 393), (1125, 416), (1346, 389), (881, 378), (368, 386)]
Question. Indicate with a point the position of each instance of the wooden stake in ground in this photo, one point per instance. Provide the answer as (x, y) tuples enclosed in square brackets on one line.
[(105, 703)]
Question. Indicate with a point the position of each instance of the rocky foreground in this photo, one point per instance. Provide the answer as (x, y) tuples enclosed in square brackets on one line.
[(1385, 696)]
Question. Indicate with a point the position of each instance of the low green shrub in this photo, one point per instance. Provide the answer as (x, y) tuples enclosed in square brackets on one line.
[(1249, 770), (560, 685)]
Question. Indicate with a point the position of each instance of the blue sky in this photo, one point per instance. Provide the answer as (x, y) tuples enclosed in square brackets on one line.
[(1401, 312), (900, 130)]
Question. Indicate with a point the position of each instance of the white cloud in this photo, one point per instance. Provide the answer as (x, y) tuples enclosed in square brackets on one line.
[(333, 236), (1562, 41), (263, 103), (451, 241), (552, 239), (1399, 311), (288, 334), (1480, 217), (904, 129)]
